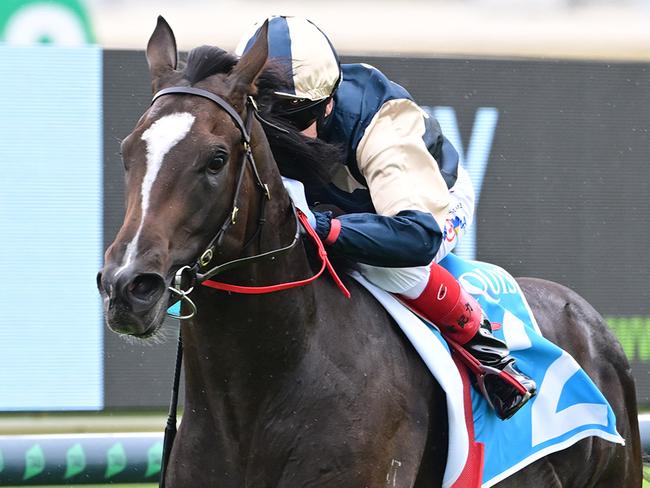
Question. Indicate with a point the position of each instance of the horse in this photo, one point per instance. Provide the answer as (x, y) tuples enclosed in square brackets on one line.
[(301, 387)]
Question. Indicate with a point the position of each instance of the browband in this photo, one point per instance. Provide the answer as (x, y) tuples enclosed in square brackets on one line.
[(210, 96)]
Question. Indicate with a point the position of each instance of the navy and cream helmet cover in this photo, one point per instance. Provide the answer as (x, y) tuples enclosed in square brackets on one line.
[(305, 51)]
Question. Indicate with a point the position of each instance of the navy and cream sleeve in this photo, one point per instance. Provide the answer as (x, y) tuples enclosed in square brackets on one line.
[(409, 238), (385, 134)]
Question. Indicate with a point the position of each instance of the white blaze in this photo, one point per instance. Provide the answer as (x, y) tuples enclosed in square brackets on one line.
[(163, 134)]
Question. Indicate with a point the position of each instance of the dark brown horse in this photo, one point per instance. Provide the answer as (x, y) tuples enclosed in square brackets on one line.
[(303, 387)]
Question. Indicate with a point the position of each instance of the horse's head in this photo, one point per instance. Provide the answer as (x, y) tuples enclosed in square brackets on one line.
[(182, 163)]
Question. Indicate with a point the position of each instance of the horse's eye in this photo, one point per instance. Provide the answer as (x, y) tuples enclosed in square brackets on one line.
[(217, 162)]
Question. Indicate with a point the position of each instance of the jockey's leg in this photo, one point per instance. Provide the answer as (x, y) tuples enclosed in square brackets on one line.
[(477, 339), (460, 318), (436, 295)]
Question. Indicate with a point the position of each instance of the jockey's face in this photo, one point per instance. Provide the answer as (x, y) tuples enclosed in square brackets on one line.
[(312, 131)]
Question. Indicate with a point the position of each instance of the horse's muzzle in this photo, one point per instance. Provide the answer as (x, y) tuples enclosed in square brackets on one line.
[(132, 301)]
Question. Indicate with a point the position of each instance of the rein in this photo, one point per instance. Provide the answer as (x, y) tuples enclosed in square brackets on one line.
[(258, 290), (201, 274)]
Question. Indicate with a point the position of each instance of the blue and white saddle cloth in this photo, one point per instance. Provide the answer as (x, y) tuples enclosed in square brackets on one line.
[(568, 406)]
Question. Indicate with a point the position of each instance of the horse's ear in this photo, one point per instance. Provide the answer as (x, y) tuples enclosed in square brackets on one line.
[(162, 55), (250, 65)]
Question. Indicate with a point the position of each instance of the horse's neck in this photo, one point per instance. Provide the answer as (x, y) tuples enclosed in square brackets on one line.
[(252, 324), (240, 353), (241, 348)]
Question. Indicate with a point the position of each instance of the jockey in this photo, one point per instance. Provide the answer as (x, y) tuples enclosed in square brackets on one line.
[(416, 200)]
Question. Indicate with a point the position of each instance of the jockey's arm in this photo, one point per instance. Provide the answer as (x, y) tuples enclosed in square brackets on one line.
[(410, 238), (407, 189)]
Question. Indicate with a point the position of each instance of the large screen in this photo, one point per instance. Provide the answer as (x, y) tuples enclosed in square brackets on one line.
[(51, 336)]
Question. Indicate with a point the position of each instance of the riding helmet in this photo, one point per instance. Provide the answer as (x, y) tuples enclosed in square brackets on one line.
[(305, 51)]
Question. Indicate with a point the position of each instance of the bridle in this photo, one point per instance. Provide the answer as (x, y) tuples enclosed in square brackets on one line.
[(200, 272)]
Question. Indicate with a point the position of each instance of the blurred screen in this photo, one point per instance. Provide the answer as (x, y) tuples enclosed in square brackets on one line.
[(51, 337)]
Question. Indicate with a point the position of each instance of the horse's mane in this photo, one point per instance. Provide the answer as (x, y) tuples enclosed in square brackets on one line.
[(309, 160)]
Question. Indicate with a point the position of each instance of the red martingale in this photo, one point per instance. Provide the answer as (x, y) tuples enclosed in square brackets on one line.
[(260, 290)]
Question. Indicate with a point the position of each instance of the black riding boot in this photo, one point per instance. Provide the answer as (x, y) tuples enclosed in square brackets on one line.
[(499, 365)]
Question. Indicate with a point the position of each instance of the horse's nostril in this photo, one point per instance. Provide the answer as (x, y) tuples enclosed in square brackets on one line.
[(100, 287), (146, 287)]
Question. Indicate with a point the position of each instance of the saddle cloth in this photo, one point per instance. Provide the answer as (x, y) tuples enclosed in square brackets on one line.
[(568, 406)]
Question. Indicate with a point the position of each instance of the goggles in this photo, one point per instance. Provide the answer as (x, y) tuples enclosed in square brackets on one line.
[(300, 112)]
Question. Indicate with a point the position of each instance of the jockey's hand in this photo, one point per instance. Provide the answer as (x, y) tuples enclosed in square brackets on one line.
[(325, 207), (323, 223)]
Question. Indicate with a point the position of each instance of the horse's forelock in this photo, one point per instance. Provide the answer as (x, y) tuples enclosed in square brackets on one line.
[(206, 61)]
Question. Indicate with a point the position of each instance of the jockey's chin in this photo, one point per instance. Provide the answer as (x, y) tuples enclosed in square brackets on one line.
[(310, 131)]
